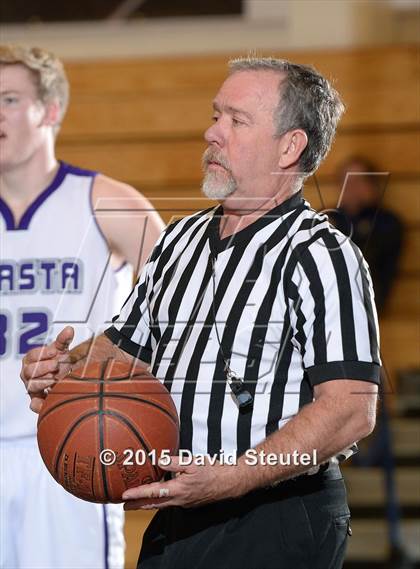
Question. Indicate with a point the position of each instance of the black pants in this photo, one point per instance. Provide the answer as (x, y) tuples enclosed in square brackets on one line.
[(300, 524)]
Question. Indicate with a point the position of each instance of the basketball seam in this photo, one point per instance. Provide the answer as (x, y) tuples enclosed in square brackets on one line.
[(133, 429), (100, 413), (109, 396), (113, 378), (101, 431), (120, 418), (68, 434)]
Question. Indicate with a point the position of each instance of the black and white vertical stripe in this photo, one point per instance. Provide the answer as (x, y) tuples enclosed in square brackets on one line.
[(293, 304)]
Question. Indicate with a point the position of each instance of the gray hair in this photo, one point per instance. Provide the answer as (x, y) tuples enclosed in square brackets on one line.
[(307, 101)]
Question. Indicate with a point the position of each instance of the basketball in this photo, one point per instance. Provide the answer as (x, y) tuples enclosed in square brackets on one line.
[(103, 431)]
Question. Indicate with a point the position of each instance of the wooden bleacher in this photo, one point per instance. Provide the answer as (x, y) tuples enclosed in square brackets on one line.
[(142, 121)]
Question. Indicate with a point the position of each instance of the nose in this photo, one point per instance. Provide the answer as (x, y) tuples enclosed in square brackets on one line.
[(214, 135)]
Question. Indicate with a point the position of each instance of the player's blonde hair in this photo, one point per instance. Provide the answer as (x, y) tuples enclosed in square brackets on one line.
[(47, 70)]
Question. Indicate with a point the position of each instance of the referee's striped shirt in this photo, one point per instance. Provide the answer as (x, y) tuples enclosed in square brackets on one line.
[(289, 298)]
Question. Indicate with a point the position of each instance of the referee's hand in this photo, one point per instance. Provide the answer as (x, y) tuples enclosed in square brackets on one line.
[(194, 485), (44, 366)]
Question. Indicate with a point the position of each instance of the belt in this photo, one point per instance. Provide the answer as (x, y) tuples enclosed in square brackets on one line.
[(327, 471)]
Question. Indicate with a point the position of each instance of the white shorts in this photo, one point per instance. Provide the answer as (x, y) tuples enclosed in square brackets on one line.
[(45, 527)]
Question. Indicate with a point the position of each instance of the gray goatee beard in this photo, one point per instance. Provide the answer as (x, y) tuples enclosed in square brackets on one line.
[(216, 185), (216, 188)]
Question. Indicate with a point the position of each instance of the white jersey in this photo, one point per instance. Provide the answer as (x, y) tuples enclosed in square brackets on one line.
[(54, 270)]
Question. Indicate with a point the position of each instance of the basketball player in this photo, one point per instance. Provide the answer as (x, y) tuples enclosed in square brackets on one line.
[(61, 262)]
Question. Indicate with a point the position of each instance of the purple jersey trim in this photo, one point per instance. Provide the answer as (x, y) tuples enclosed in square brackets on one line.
[(7, 214), (63, 170), (106, 538), (118, 269), (78, 171)]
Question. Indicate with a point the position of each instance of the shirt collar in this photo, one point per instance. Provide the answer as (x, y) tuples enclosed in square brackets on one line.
[(217, 245)]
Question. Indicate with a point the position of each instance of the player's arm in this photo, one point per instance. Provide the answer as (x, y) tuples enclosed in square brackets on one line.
[(127, 219), (44, 366)]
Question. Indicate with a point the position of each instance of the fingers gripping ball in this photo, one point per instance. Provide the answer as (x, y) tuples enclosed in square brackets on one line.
[(107, 406)]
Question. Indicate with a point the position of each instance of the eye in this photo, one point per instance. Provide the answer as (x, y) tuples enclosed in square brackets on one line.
[(9, 99), (215, 118), (236, 122)]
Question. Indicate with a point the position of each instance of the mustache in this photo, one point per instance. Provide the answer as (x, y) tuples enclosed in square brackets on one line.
[(213, 155)]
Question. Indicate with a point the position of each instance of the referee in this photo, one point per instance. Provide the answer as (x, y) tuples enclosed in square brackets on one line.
[(259, 318)]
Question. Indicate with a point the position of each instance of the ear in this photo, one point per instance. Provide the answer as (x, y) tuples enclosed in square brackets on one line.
[(52, 114), (292, 144)]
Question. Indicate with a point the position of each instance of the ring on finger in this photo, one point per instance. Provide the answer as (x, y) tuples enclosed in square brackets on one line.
[(163, 493)]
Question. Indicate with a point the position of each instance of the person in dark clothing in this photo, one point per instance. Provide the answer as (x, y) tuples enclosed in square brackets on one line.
[(376, 230)]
